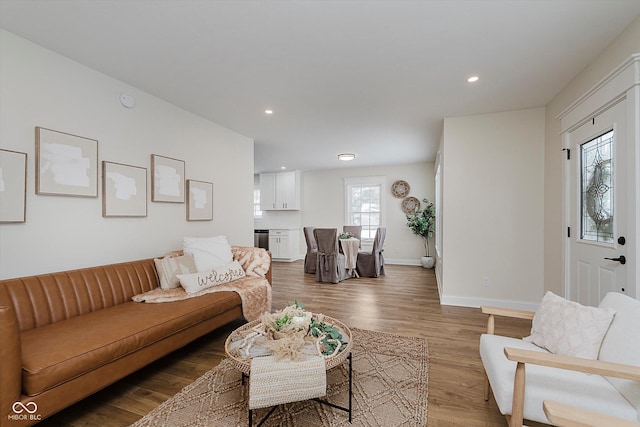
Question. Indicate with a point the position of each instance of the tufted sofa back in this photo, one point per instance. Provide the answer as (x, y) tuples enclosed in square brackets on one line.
[(48, 298)]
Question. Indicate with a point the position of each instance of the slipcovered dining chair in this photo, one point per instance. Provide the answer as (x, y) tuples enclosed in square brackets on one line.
[(355, 230), (371, 264), (331, 264), (310, 259)]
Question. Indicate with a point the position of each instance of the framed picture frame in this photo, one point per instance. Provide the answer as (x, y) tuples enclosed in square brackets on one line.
[(200, 200), (124, 190), (13, 186), (167, 179), (66, 164)]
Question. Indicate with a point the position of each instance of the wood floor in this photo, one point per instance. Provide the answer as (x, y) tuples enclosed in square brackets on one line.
[(404, 301)]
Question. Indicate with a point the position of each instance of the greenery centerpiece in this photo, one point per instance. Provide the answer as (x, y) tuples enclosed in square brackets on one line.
[(292, 331), (423, 223)]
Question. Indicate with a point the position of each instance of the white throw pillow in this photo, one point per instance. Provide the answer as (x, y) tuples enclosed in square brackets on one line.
[(196, 282), (170, 266), (208, 252), (566, 327)]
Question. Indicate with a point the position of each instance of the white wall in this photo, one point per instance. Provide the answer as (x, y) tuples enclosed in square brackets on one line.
[(617, 52), (493, 206), (323, 204), (41, 88)]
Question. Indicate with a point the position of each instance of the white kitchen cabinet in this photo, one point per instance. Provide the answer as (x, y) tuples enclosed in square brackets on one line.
[(283, 244), (280, 191)]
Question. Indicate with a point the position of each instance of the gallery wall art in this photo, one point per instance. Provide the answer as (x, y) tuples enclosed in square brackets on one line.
[(124, 190), (13, 186), (200, 204), (167, 179), (66, 164)]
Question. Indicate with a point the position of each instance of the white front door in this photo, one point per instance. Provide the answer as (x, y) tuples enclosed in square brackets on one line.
[(598, 207)]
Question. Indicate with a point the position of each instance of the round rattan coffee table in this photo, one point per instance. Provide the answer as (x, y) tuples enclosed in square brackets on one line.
[(243, 364)]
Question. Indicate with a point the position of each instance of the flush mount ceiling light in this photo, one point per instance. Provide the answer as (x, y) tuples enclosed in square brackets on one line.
[(345, 157), (268, 111), (473, 79)]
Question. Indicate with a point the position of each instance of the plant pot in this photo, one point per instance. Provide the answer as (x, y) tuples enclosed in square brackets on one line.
[(428, 261)]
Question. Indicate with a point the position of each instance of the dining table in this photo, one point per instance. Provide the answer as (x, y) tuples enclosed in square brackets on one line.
[(350, 248)]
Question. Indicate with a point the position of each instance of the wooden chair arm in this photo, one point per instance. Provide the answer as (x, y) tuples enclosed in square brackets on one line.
[(504, 312), (562, 415), (588, 366), (522, 357), (508, 312)]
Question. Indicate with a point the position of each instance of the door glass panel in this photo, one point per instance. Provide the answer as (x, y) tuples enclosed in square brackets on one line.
[(596, 176)]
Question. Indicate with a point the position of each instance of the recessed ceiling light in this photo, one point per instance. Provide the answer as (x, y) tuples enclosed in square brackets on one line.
[(268, 111), (283, 167), (473, 79), (346, 156)]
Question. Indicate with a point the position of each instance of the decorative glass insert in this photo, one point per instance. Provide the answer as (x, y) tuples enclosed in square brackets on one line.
[(596, 175)]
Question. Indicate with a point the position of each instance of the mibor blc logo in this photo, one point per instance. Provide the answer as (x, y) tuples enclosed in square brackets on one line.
[(24, 411)]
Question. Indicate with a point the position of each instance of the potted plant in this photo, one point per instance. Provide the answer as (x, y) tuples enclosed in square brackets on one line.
[(422, 223)]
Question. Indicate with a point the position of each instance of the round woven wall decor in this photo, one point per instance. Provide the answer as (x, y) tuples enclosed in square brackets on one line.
[(410, 205), (400, 189)]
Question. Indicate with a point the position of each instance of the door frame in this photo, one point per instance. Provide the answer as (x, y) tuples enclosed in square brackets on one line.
[(620, 85)]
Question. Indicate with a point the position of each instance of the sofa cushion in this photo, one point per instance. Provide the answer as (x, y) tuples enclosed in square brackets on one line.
[(569, 328), (543, 383), (59, 352), (622, 342)]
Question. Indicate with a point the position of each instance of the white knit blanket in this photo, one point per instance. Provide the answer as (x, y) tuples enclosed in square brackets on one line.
[(273, 382)]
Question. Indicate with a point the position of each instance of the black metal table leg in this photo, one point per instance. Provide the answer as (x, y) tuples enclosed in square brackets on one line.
[(263, 419), (333, 405), (350, 385)]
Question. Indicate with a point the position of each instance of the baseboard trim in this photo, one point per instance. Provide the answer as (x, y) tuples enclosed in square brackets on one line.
[(477, 302), (400, 261)]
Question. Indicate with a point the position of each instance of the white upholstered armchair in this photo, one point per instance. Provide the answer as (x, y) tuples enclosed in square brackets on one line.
[(522, 374)]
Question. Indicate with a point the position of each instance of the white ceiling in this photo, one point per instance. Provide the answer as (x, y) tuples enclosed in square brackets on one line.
[(374, 78)]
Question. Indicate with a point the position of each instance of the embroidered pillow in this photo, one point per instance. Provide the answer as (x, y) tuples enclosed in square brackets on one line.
[(193, 283), (169, 267), (208, 252), (569, 328)]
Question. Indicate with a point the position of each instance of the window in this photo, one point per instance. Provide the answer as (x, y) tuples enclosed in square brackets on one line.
[(257, 213), (364, 203)]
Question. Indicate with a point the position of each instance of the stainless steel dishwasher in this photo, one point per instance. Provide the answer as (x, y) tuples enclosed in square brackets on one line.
[(261, 239)]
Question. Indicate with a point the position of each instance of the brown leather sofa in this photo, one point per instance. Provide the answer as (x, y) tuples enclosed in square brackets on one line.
[(67, 335)]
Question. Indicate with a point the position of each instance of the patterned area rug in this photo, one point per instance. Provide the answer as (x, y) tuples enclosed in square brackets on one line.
[(390, 375)]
